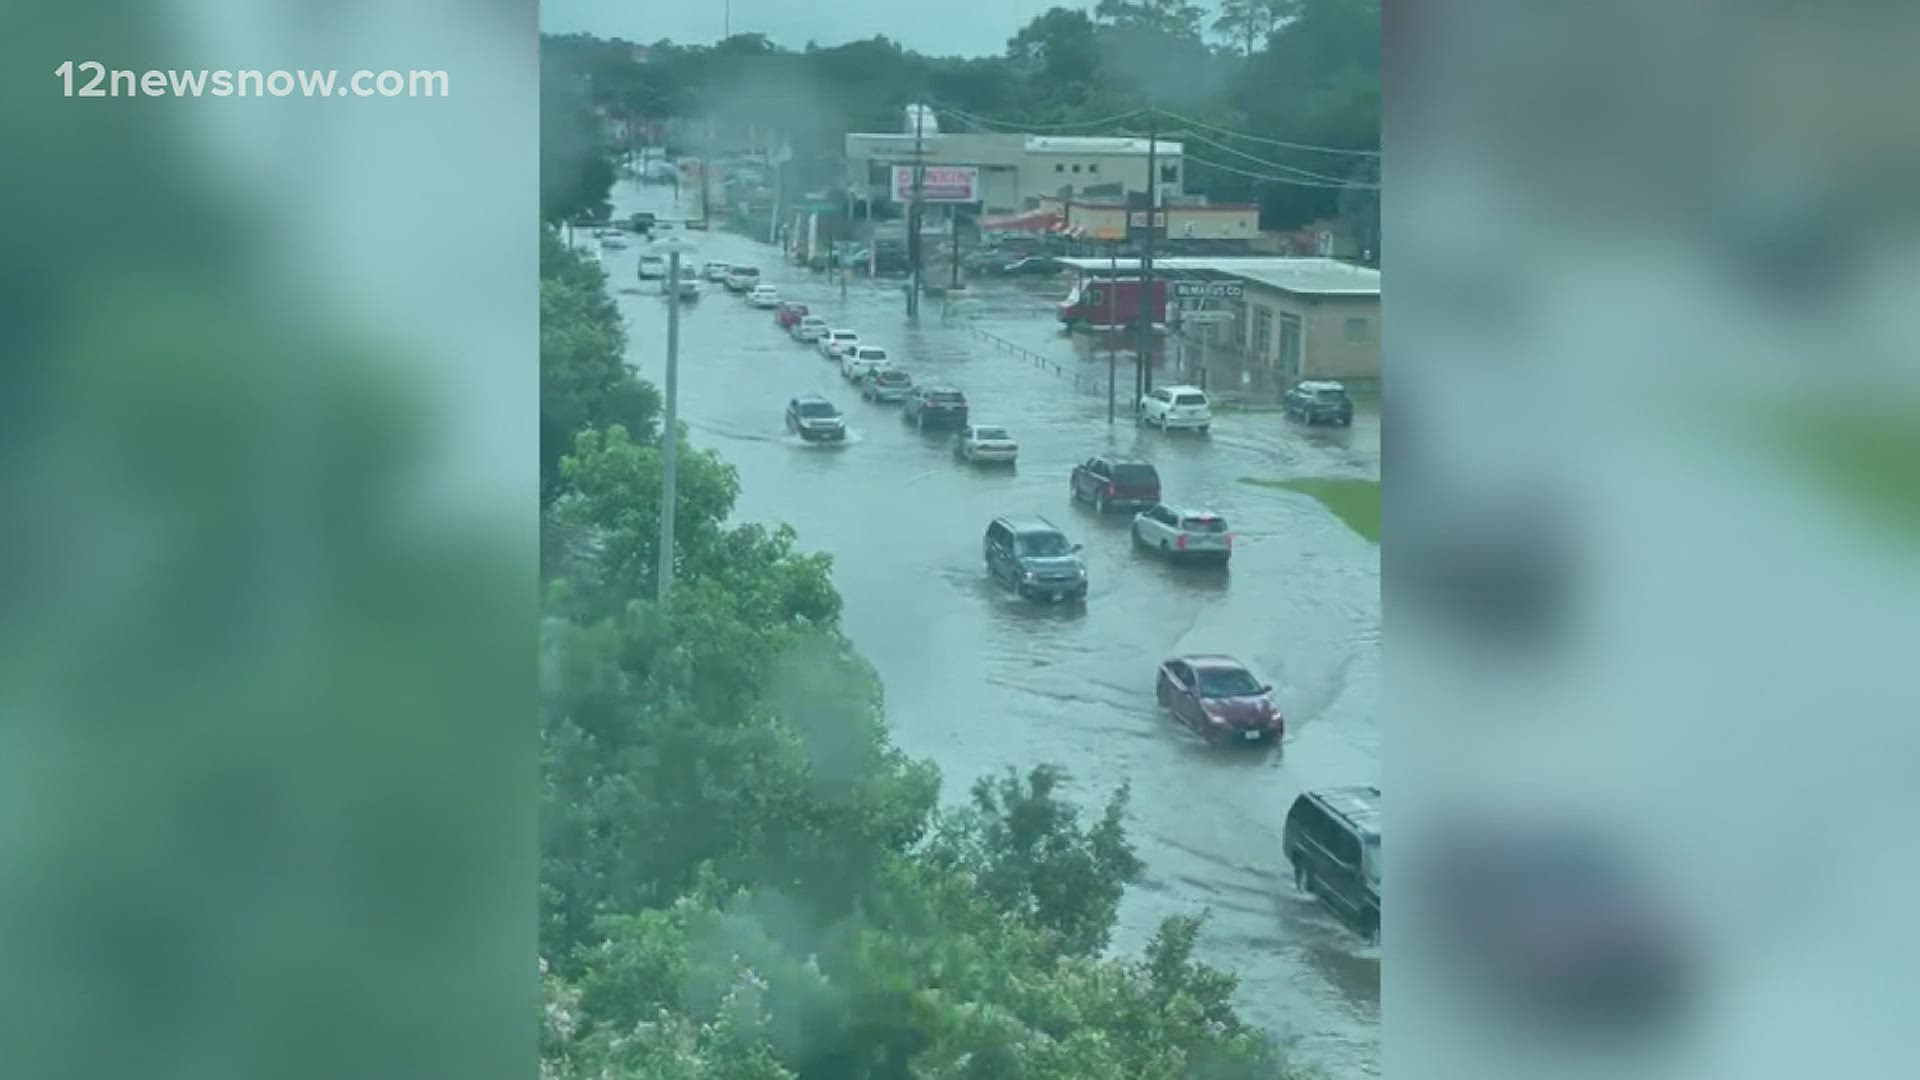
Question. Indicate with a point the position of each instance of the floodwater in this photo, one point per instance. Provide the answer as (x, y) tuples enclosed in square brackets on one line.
[(977, 681)]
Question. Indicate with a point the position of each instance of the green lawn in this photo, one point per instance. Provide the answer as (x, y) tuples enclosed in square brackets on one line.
[(1356, 502)]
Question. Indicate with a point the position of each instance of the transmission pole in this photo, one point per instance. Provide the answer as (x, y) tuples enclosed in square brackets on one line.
[(1143, 363), (913, 219), (706, 176), (670, 424)]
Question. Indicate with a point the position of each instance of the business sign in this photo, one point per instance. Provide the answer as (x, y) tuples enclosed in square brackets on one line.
[(1206, 316), (1208, 290), (1138, 219), (938, 183)]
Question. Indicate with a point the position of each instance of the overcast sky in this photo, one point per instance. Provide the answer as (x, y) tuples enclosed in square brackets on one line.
[(938, 27)]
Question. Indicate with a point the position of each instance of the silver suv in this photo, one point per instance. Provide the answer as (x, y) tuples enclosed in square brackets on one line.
[(1027, 554)]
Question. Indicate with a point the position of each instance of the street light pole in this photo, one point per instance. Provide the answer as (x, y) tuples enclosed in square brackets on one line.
[(670, 421)]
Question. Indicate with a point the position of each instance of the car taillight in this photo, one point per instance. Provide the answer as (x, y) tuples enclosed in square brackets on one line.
[(1180, 542), (1229, 539), (1111, 488)]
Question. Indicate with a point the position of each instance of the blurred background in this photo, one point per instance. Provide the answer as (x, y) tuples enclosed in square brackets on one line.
[(1651, 515), (267, 548)]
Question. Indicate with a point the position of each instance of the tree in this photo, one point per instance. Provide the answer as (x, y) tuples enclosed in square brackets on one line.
[(584, 379), (1249, 23)]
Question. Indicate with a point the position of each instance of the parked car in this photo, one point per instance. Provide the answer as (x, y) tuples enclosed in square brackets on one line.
[(1032, 266), (1028, 554), (742, 279), (696, 223), (834, 342), (613, 241), (764, 296), (642, 222), (980, 444), (934, 407), (1183, 534), (887, 384), (1218, 699), (789, 314), (861, 360), (809, 329), (1318, 402), (653, 266), (1170, 407), (689, 284), (1111, 483), (715, 271), (816, 419), (1332, 838)]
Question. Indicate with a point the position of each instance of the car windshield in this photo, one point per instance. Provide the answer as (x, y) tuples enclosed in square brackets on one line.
[(817, 409), (746, 271), (946, 397), (1329, 395), (1137, 475), (893, 378), (990, 434), (845, 335), (1043, 544), (1204, 525), (1190, 399), (1370, 859), (871, 354), (1227, 682)]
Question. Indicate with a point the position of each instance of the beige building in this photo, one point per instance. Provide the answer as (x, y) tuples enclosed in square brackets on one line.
[(1017, 171), (1296, 318)]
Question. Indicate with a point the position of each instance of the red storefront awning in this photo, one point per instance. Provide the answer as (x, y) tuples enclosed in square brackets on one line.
[(1035, 221)]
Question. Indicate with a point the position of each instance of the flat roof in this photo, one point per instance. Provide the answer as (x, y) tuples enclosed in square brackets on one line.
[(1096, 144), (1311, 276)]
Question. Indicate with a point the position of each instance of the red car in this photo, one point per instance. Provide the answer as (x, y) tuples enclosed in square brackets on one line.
[(1219, 699), (790, 313)]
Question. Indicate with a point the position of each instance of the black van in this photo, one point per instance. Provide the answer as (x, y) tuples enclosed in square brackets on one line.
[(1332, 839)]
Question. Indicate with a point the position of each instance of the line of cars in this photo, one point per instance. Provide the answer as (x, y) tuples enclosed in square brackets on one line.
[(1215, 697)]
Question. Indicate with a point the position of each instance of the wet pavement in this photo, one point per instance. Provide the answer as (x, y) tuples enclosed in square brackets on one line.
[(977, 680)]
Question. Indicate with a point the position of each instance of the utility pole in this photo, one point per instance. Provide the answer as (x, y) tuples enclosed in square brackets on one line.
[(774, 167), (1143, 367), (913, 218), (955, 283), (670, 422), (1113, 323), (706, 176)]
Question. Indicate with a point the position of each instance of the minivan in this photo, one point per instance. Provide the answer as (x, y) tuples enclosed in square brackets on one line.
[(1332, 838)]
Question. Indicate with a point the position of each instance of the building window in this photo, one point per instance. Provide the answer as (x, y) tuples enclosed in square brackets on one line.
[(1059, 167), (1094, 167), (1169, 174), (1358, 330), (1076, 168), (1262, 330)]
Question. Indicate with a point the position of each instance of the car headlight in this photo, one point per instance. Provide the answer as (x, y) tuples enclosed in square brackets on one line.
[(1081, 570), (1028, 576)]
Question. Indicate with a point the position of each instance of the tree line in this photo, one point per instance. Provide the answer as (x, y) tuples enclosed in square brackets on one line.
[(741, 878), (1278, 101)]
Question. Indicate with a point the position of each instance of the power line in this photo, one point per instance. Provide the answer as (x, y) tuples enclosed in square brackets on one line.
[(1351, 185), (1022, 125), (1308, 173), (1309, 147)]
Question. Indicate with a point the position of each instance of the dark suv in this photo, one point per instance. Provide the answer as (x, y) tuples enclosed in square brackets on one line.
[(1115, 483), (935, 407), (1319, 403), (1027, 554), (816, 419), (1332, 838)]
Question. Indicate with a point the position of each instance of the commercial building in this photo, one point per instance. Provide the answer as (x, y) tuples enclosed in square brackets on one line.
[(1017, 171), (1293, 319)]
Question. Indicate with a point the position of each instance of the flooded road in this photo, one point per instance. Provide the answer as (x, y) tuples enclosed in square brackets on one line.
[(978, 681)]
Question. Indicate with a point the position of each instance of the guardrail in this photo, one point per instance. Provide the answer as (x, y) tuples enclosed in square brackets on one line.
[(1081, 380)]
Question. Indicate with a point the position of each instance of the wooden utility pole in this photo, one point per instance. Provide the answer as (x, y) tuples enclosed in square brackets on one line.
[(955, 241), (1113, 322), (1143, 363), (706, 176), (913, 218)]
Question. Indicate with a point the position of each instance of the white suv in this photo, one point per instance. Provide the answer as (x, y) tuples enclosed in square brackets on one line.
[(1177, 407), (810, 328), (835, 342), (1183, 533), (861, 360)]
